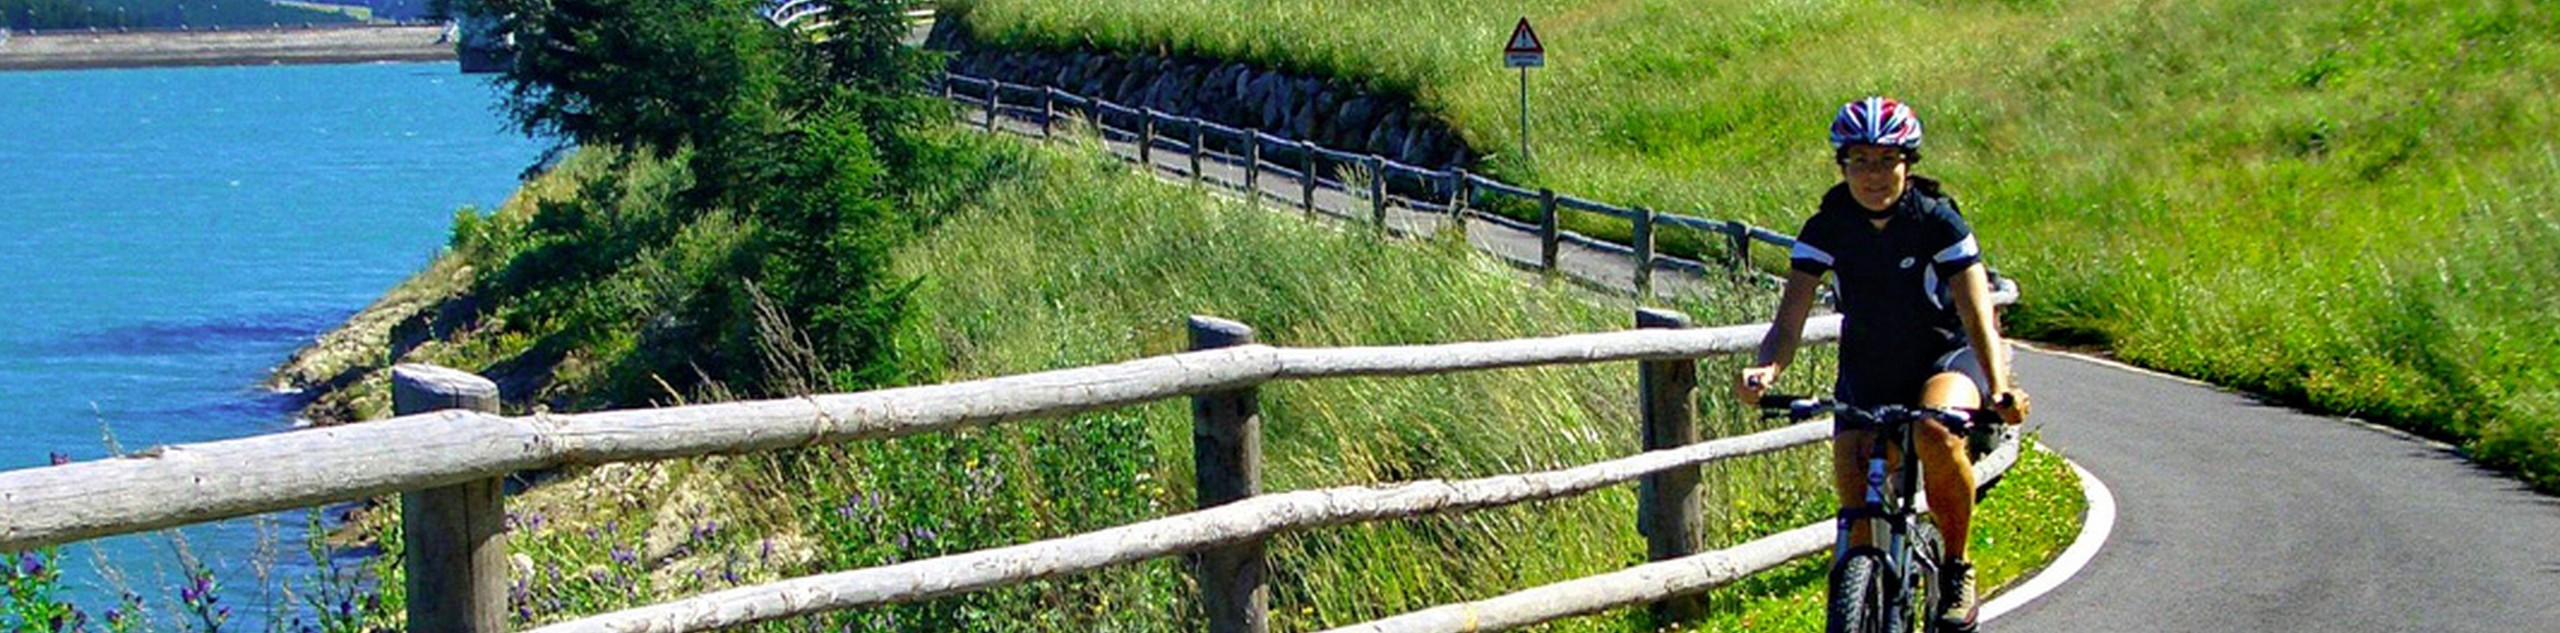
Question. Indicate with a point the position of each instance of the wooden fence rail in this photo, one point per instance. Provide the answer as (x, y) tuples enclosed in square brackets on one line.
[(193, 483), (1251, 519)]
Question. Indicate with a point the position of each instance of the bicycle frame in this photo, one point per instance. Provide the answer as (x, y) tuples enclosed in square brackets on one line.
[(1890, 505)]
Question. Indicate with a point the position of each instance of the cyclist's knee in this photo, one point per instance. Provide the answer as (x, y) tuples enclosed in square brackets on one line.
[(1935, 442), (1951, 389)]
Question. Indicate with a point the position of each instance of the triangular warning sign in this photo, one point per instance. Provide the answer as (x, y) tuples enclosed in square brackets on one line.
[(1524, 40)]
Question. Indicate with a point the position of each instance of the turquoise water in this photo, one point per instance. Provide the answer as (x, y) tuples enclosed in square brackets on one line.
[(169, 235)]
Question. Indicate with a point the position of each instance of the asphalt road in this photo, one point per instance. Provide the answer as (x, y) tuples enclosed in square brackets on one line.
[(2238, 516), (2231, 515)]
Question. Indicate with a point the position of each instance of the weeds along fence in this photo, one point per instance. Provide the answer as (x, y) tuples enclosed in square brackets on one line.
[(1307, 171), (447, 452)]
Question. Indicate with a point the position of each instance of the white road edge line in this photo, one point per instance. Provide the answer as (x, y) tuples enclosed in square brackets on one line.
[(2100, 523)]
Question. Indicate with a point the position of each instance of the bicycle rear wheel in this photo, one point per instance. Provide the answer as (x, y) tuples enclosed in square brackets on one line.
[(1862, 595)]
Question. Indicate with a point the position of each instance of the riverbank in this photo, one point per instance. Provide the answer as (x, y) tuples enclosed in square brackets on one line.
[(76, 50)]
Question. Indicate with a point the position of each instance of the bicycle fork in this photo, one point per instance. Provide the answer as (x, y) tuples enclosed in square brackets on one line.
[(1880, 513)]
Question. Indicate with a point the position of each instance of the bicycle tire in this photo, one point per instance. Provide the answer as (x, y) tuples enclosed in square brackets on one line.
[(1927, 548), (1862, 595)]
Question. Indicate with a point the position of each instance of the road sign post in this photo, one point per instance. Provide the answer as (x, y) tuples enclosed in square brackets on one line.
[(1524, 51)]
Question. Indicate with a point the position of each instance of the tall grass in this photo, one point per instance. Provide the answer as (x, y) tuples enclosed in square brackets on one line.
[(1084, 263), (2337, 202)]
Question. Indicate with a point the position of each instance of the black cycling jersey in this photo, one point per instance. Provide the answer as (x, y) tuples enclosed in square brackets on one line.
[(1898, 314)]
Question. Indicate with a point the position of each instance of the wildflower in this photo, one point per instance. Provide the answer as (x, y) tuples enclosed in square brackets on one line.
[(622, 555)]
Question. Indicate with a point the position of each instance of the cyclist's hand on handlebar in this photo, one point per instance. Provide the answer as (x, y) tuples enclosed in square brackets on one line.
[(2012, 405), (1754, 381)]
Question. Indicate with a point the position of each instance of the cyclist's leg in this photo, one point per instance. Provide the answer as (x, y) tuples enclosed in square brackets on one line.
[(1849, 477), (1945, 468)]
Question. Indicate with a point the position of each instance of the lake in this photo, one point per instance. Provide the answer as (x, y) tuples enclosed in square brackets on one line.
[(167, 236)]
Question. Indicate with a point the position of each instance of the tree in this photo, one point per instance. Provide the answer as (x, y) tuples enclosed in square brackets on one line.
[(798, 136), (657, 75)]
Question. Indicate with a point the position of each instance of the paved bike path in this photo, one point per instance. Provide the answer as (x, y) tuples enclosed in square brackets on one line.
[(2231, 515), (2238, 516)]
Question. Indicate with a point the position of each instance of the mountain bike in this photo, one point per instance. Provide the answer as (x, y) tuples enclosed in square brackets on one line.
[(1889, 587)]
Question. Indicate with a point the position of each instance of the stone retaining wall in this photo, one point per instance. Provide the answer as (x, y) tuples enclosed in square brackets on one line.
[(1230, 93)]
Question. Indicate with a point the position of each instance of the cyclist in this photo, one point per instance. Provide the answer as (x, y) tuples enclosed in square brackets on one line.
[(1917, 324)]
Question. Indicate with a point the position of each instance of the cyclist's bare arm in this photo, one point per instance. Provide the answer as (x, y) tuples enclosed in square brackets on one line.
[(1778, 347), (1982, 329)]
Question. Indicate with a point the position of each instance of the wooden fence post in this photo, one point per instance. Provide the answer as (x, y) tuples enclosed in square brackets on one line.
[(1147, 140), (1307, 189), (946, 86), (1461, 192), (455, 547), (995, 100), (1644, 254), (1199, 145), (1741, 238), (1253, 166), (1226, 457), (1378, 191), (1048, 110), (1548, 234), (1667, 502)]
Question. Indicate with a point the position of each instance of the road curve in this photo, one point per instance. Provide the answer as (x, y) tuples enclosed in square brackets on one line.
[(2233, 515)]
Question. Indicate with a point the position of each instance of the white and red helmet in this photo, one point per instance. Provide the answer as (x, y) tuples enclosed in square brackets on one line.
[(1876, 121)]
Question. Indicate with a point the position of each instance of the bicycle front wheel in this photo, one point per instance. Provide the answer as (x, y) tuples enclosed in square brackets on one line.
[(1862, 595), (1927, 549)]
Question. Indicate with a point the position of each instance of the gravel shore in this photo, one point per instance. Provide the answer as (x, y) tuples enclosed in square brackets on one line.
[(62, 50)]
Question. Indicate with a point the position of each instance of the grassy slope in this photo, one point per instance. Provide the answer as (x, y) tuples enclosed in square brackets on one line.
[(2343, 203), (1051, 258), (1117, 261)]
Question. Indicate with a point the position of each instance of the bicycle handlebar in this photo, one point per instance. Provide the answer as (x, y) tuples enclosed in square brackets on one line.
[(1957, 420)]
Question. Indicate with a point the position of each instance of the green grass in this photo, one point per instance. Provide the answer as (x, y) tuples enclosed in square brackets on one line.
[(2341, 203), (1046, 258)]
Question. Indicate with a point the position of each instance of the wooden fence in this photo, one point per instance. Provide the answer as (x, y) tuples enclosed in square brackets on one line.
[(447, 450), (1382, 182)]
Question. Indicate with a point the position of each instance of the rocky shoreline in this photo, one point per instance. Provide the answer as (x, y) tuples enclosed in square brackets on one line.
[(238, 47)]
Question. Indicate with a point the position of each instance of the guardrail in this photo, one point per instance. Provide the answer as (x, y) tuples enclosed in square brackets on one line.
[(447, 465), (1452, 192)]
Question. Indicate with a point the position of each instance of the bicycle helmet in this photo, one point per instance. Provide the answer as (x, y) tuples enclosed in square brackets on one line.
[(1877, 121)]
